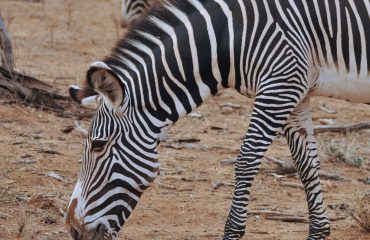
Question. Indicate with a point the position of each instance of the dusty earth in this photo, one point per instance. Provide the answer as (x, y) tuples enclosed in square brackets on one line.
[(56, 41)]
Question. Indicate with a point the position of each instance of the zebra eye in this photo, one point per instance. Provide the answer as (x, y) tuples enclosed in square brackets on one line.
[(98, 144)]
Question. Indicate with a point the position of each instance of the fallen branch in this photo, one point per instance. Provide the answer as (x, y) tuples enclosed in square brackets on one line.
[(49, 151), (25, 161), (166, 186), (274, 174), (32, 83), (217, 184), (17, 86), (289, 168), (187, 140), (289, 218), (326, 121), (78, 115), (330, 176), (195, 115), (55, 176), (284, 166), (230, 105), (292, 185), (323, 107), (259, 232), (342, 128), (185, 179), (264, 212), (299, 219), (30, 96), (228, 161), (280, 163)]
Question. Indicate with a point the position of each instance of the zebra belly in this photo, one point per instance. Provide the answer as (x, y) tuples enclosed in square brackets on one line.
[(340, 85)]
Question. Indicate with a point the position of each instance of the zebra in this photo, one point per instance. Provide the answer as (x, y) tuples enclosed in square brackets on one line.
[(131, 10), (279, 52)]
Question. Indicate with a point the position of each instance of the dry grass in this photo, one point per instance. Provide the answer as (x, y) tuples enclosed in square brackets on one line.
[(5, 195), (360, 210), (348, 152), (70, 10), (22, 222), (52, 26)]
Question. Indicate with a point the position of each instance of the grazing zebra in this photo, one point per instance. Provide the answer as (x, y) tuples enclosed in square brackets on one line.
[(281, 52), (131, 10)]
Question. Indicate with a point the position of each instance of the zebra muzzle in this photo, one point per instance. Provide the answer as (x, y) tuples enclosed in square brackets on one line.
[(100, 233)]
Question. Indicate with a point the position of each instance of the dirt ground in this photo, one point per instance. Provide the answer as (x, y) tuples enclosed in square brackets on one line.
[(55, 42)]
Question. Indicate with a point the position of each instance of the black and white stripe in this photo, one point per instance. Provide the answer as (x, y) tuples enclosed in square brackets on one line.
[(132, 10), (281, 52)]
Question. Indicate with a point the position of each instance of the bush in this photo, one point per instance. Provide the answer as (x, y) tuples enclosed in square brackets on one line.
[(360, 210), (343, 151)]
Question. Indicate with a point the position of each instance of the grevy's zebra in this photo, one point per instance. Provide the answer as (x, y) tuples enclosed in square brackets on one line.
[(132, 10), (281, 52)]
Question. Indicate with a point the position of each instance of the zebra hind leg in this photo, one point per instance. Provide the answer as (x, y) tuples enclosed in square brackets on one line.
[(265, 121), (299, 132)]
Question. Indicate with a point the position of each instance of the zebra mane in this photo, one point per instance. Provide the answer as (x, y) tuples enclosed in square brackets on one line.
[(158, 9), (155, 6)]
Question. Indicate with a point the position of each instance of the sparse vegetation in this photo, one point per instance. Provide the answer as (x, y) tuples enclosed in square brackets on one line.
[(185, 205), (21, 224), (360, 210), (5, 194), (348, 152)]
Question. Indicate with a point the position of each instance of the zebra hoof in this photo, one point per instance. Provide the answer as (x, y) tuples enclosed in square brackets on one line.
[(230, 238), (319, 235), (233, 236), (317, 238)]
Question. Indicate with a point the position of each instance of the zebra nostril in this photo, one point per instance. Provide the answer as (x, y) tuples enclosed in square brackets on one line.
[(74, 233)]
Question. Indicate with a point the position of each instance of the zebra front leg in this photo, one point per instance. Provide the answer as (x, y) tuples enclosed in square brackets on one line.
[(265, 121), (299, 133)]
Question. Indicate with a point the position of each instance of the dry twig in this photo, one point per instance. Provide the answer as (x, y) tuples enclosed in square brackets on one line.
[(299, 219), (55, 176), (229, 161), (264, 212), (289, 218), (360, 211), (342, 128), (217, 184), (292, 185), (323, 107), (284, 166), (330, 176)]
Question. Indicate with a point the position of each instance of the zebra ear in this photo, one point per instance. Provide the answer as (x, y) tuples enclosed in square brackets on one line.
[(84, 95), (101, 79)]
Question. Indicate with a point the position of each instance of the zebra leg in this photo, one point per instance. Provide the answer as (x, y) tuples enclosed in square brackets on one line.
[(299, 132), (267, 117)]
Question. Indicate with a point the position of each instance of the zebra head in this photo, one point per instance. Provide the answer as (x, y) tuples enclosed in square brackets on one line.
[(118, 162), (131, 10)]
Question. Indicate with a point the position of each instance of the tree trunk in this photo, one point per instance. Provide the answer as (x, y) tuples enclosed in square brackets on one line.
[(6, 48)]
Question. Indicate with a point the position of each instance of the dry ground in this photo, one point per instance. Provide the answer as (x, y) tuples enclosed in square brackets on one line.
[(56, 41)]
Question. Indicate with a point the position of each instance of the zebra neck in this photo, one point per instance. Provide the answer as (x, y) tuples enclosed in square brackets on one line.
[(172, 65)]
